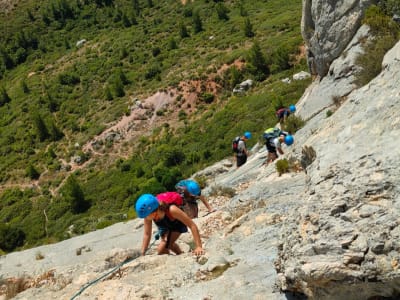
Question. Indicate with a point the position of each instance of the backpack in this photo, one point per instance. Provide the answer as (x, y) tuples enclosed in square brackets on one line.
[(170, 198), (273, 133), (235, 144), (279, 112)]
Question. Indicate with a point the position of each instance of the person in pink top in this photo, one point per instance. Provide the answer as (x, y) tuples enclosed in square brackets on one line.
[(164, 210)]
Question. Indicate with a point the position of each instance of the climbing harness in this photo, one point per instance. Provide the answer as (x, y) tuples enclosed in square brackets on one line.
[(156, 237)]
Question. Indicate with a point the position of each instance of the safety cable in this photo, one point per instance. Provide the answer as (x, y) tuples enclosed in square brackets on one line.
[(156, 237)]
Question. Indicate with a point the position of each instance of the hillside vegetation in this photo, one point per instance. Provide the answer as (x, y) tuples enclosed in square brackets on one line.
[(57, 94)]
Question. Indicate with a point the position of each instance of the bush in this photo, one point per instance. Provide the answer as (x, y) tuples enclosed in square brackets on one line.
[(74, 196), (207, 97), (385, 32), (293, 123), (32, 173), (4, 97), (11, 237), (282, 166), (152, 72), (69, 79)]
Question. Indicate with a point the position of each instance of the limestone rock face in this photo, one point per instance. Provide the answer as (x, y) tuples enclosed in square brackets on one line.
[(327, 26), (343, 243)]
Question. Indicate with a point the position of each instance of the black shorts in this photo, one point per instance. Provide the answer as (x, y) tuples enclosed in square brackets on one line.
[(270, 147), (165, 225), (241, 160)]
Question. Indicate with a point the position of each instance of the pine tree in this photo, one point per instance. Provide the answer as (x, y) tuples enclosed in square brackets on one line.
[(119, 87), (222, 12), (41, 128), (32, 173), (183, 32), (4, 97), (136, 7), (248, 28), (197, 23), (55, 133), (258, 62), (74, 196), (108, 94)]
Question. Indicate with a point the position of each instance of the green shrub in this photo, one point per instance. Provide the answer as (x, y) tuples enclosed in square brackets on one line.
[(11, 237), (386, 33), (4, 97), (282, 166), (207, 97), (69, 79), (32, 173), (293, 123)]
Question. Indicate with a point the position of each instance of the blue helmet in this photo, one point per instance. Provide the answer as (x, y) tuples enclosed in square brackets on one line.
[(292, 108), (145, 205), (191, 186), (247, 135), (289, 140)]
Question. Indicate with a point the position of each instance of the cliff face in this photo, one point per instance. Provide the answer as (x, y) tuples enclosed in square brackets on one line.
[(344, 240), (327, 27), (330, 231)]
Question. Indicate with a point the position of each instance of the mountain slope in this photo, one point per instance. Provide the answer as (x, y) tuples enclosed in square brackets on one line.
[(61, 99)]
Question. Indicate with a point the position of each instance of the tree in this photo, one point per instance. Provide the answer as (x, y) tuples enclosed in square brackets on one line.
[(136, 7), (183, 32), (107, 93), (243, 12), (258, 64), (41, 128), (54, 133), (172, 44), (222, 11), (126, 21), (7, 60), (24, 87), (119, 87), (32, 173), (11, 237), (197, 23), (232, 77), (248, 28), (73, 194), (4, 97)]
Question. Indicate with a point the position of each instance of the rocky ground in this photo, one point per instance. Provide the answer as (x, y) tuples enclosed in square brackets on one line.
[(330, 230)]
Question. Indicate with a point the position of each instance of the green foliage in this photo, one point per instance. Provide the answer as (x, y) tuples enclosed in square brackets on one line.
[(68, 79), (258, 64), (386, 33), (183, 32), (248, 28), (11, 237), (197, 23), (73, 195), (282, 166), (172, 44), (71, 89), (222, 11), (207, 97), (293, 123), (41, 127), (32, 173), (4, 97), (390, 7), (152, 72)]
